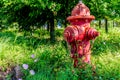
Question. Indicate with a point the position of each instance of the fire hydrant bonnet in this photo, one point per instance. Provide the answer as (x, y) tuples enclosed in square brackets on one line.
[(80, 11)]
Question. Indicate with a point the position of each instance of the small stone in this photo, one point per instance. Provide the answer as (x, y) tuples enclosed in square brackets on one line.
[(1, 78), (18, 72)]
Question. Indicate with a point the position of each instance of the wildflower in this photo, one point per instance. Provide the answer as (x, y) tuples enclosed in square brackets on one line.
[(32, 56), (32, 72), (25, 66), (35, 60), (104, 43), (20, 79)]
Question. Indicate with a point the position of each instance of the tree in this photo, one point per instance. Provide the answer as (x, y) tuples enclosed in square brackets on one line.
[(38, 12), (1, 13), (104, 9), (30, 13)]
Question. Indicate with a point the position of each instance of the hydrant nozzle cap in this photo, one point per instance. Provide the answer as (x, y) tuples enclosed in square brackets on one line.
[(80, 11)]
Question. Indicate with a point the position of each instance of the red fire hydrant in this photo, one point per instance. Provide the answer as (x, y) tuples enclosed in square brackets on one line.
[(79, 33)]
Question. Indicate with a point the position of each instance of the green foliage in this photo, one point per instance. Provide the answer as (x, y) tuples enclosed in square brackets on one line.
[(104, 8), (54, 62), (35, 12), (105, 45), (30, 13)]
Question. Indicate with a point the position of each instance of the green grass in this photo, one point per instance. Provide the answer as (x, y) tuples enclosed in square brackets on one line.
[(54, 62)]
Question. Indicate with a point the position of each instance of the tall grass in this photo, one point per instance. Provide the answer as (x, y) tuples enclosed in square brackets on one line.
[(54, 62)]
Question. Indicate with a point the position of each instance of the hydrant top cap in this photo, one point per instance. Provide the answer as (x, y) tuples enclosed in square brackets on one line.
[(80, 11)]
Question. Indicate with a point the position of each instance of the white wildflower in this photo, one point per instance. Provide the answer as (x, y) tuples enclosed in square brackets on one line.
[(25, 66), (104, 43), (35, 60), (32, 56), (20, 79), (32, 72)]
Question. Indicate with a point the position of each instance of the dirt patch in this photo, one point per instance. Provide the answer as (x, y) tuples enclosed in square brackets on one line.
[(12, 73)]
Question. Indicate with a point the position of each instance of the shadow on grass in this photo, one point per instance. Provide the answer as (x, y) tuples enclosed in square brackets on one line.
[(29, 41), (7, 34)]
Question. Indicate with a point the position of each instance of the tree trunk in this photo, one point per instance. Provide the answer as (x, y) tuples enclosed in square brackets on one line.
[(113, 23), (52, 30), (99, 23), (65, 24), (106, 26), (66, 13)]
